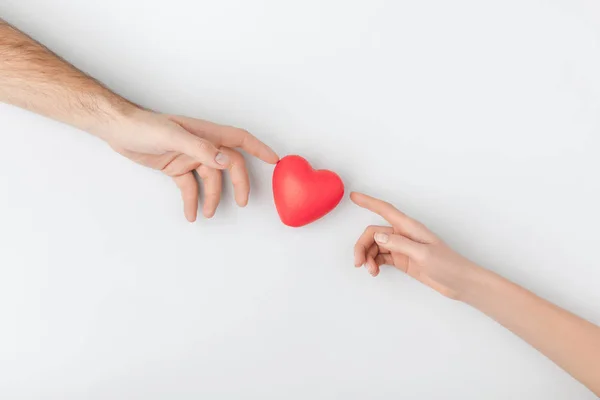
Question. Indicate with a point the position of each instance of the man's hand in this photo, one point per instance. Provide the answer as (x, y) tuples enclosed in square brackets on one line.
[(178, 146), (32, 77)]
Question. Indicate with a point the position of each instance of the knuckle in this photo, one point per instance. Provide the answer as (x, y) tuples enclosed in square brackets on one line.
[(239, 159), (205, 172), (420, 225), (424, 255), (244, 133), (236, 157), (242, 136), (390, 211), (213, 174), (387, 206), (203, 146), (239, 184), (411, 225)]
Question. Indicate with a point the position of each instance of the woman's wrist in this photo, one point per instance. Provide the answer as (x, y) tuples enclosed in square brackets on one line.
[(477, 283)]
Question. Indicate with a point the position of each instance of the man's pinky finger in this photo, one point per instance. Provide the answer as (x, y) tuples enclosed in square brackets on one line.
[(189, 193)]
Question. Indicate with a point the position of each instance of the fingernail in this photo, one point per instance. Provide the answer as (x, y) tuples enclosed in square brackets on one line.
[(222, 159), (382, 237)]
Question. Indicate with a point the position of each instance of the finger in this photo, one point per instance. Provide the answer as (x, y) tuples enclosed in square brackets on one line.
[(231, 137), (371, 264), (403, 245), (365, 241), (404, 224), (189, 193), (211, 185), (200, 149), (373, 251), (239, 176), (384, 259), (372, 267), (179, 164), (235, 137)]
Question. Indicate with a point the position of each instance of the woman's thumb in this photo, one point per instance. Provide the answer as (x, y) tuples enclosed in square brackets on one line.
[(401, 244)]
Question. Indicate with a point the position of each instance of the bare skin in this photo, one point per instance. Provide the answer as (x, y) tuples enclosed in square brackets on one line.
[(571, 342), (34, 78)]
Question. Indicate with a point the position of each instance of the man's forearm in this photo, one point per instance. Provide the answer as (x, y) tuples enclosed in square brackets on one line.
[(571, 342), (34, 78)]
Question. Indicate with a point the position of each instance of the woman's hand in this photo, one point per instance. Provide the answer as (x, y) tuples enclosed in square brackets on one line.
[(178, 146), (412, 248)]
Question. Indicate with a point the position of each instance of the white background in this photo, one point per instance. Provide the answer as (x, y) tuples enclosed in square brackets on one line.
[(481, 118)]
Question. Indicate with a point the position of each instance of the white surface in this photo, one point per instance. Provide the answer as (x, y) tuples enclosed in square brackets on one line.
[(481, 118)]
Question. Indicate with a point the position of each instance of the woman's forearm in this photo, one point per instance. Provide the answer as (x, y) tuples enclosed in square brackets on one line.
[(571, 342), (34, 78)]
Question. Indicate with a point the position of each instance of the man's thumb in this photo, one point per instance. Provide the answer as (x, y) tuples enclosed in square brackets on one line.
[(200, 149)]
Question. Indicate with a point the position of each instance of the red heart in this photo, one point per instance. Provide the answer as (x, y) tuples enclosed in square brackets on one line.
[(302, 194)]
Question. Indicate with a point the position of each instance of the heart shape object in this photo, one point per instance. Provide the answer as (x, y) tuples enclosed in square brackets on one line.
[(302, 194)]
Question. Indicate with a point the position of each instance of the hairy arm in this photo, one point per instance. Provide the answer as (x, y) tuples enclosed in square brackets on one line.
[(34, 78)]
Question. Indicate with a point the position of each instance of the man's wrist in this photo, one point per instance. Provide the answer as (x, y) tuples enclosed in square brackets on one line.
[(34, 78), (111, 113)]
